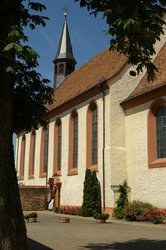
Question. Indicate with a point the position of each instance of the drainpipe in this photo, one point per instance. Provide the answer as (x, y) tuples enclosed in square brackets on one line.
[(47, 156)]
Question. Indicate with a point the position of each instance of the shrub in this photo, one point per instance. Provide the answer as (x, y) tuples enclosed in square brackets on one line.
[(70, 210), (156, 216), (31, 215), (91, 195), (122, 201), (118, 213), (99, 216), (138, 211)]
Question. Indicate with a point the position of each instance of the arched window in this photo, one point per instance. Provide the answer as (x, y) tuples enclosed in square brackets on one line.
[(57, 147), (92, 136), (61, 68), (157, 134), (22, 158), (161, 132), (32, 154), (44, 152), (73, 143)]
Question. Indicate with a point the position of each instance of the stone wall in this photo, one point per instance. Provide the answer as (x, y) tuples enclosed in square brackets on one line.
[(34, 197)]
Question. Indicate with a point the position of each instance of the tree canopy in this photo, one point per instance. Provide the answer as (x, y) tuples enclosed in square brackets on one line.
[(31, 91), (134, 25)]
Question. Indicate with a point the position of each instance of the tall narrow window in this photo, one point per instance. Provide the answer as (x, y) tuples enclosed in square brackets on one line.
[(22, 158), (161, 132), (44, 152), (75, 140), (61, 68), (32, 154), (157, 134), (73, 143), (45, 160), (92, 135), (57, 147)]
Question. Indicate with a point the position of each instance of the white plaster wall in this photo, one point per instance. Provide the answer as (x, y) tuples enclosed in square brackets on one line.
[(72, 186), (147, 184), (120, 88)]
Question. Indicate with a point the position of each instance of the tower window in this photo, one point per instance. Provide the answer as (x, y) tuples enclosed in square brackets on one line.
[(61, 68)]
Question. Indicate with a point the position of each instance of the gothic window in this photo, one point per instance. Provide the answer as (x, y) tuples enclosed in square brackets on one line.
[(75, 140), (161, 132), (32, 154), (45, 160), (157, 134), (22, 158), (73, 143), (92, 136), (44, 152), (57, 147)]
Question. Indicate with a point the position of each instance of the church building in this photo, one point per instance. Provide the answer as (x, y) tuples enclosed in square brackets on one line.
[(102, 119)]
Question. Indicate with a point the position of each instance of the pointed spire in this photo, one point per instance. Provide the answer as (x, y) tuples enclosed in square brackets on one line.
[(65, 47), (64, 56)]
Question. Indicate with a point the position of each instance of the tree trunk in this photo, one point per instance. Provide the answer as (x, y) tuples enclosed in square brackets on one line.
[(12, 225)]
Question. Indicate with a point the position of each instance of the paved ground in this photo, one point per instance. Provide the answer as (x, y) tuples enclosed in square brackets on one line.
[(84, 233)]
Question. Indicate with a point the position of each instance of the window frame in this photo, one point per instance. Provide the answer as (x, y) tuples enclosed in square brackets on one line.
[(71, 169), (89, 138), (22, 158), (43, 173), (153, 161), (32, 151), (56, 169)]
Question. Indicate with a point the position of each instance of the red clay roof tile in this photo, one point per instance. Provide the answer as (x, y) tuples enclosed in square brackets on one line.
[(102, 67)]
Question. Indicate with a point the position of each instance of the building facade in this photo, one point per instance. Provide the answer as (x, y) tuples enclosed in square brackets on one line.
[(102, 119)]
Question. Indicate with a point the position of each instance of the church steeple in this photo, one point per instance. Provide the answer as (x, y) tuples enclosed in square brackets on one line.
[(64, 60)]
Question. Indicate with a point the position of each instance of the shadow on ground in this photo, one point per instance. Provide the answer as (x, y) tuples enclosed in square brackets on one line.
[(34, 245), (139, 244)]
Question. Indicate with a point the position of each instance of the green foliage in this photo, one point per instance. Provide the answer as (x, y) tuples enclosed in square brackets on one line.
[(99, 216), (31, 92), (138, 211), (118, 213), (122, 201), (134, 26), (91, 195)]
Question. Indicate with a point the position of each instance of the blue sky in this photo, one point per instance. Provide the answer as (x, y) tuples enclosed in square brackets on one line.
[(86, 32)]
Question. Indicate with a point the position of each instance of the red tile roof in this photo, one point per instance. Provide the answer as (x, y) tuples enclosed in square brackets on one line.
[(102, 67), (144, 86)]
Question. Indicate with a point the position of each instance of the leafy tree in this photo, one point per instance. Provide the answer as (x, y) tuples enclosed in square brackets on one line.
[(135, 26), (23, 93), (91, 195)]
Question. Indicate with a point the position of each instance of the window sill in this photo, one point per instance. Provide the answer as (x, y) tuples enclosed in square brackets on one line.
[(93, 168), (73, 171), (57, 173), (43, 175), (31, 177), (21, 178), (159, 163)]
